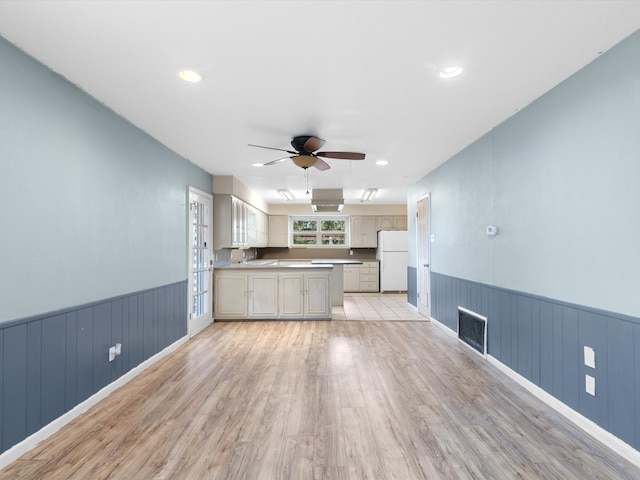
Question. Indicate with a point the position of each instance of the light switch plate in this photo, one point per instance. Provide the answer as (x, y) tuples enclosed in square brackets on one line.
[(589, 357)]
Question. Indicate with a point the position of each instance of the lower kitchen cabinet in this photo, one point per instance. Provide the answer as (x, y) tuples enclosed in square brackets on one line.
[(317, 295), (362, 278), (352, 278), (263, 295), (271, 294), (230, 295), (291, 295)]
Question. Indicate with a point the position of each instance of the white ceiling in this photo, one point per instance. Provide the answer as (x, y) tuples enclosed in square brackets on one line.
[(360, 74)]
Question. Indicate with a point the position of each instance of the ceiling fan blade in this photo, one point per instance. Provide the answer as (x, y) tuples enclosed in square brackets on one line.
[(321, 164), (342, 155), (277, 160), (313, 144), (271, 148)]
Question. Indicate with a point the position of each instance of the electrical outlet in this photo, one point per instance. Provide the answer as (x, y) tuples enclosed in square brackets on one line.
[(590, 385)]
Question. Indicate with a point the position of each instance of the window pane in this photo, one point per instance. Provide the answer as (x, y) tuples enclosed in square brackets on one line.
[(305, 225), (334, 239), (301, 239), (332, 225)]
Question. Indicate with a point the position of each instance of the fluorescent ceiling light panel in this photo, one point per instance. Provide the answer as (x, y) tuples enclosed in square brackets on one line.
[(286, 194), (368, 194)]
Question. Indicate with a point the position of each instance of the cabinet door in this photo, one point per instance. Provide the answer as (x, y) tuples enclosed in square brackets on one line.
[(370, 232), (278, 231), (263, 295), (317, 295), (400, 222), (385, 222), (230, 295), (291, 295), (357, 233), (352, 278)]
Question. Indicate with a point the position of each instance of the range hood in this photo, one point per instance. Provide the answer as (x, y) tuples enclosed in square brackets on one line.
[(327, 200)]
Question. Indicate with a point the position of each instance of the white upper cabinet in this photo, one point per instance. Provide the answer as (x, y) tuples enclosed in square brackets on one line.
[(278, 231), (237, 224), (363, 231)]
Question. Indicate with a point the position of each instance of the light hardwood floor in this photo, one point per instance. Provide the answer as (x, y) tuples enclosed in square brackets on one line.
[(321, 400)]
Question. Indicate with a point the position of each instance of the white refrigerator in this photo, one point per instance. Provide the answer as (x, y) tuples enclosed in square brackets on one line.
[(393, 255)]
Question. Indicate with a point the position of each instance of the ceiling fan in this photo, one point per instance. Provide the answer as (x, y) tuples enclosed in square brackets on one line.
[(304, 154)]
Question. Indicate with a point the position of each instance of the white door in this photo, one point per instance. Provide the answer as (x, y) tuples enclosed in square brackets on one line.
[(424, 291), (200, 271)]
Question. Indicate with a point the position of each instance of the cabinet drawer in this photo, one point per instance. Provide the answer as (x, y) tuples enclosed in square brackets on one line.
[(368, 271), (368, 286), (368, 278)]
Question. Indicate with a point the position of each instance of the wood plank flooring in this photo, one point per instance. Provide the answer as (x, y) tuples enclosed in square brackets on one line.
[(321, 400)]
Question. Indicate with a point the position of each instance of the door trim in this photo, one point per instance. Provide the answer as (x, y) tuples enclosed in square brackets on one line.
[(192, 327)]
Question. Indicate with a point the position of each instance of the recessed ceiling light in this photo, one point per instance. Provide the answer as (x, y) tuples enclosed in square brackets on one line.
[(450, 72), (382, 162), (257, 164), (190, 76)]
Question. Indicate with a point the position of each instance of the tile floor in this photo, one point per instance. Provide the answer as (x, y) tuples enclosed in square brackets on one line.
[(376, 307)]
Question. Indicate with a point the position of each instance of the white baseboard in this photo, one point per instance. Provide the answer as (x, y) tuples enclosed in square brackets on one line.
[(444, 327), (45, 432), (596, 431)]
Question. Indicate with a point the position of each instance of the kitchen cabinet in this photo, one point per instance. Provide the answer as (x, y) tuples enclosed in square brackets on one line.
[(230, 222), (363, 231), (272, 293), (305, 295), (230, 295), (400, 222), (262, 295), (352, 278), (291, 295), (392, 222), (278, 231), (362, 278), (237, 224), (369, 277), (317, 295)]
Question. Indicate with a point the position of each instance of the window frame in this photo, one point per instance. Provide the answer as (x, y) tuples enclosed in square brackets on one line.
[(318, 231)]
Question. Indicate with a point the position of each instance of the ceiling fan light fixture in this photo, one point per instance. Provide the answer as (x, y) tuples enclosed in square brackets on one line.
[(190, 76), (304, 161), (286, 194), (368, 194)]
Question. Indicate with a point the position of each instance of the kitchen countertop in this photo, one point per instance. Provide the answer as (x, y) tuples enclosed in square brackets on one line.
[(336, 261), (270, 265)]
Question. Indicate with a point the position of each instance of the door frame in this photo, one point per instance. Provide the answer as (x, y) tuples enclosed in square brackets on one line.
[(426, 311), (193, 327)]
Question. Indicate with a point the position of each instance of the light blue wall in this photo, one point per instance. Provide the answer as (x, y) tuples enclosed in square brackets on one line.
[(90, 206), (560, 179)]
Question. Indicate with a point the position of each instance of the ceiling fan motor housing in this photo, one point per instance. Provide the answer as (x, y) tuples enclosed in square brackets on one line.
[(306, 143)]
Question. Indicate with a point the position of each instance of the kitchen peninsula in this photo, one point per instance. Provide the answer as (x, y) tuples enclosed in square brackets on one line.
[(266, 289)]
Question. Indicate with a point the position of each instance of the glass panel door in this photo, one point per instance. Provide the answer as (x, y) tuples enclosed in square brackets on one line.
[(200, 279)]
